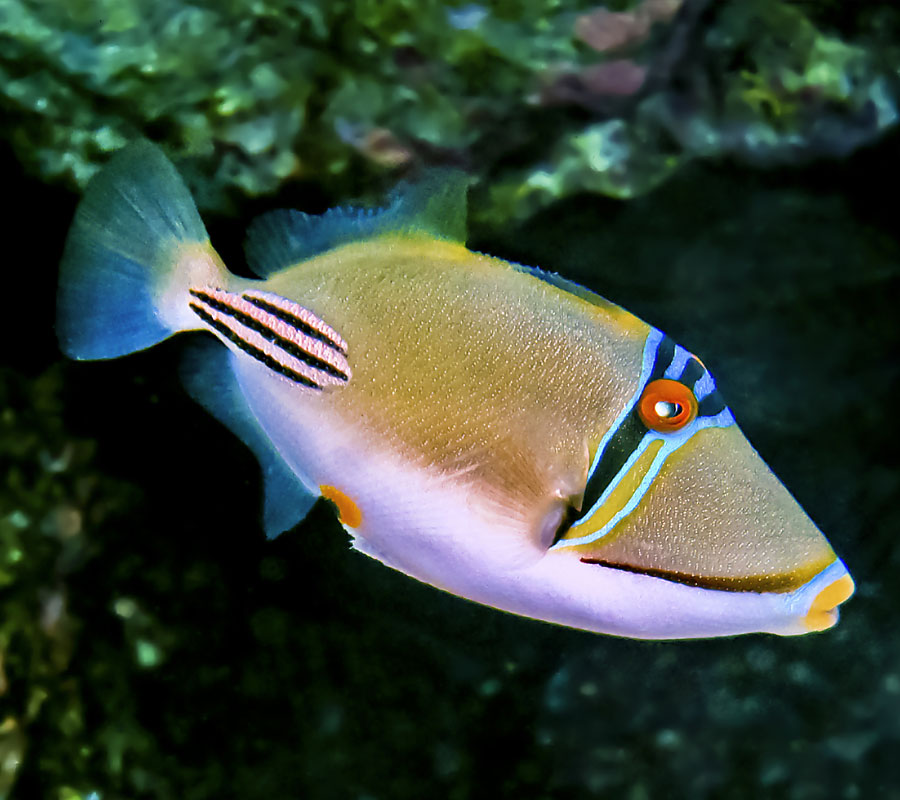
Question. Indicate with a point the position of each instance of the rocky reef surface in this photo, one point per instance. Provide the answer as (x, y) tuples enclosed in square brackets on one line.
[(722, 170)]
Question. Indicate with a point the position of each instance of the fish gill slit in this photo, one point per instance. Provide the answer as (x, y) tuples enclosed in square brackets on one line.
[(267, 333), (252, 351)]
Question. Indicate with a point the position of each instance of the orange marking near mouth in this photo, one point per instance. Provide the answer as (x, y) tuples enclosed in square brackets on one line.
[(348, 512)]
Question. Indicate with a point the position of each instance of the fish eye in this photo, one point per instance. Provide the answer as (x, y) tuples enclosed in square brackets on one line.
[(667, 406), (667, 410)]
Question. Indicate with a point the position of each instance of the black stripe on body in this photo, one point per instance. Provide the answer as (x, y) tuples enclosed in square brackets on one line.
[(627, 438), (267, 333), (295, 322), (665, 352), (250, 350), (711, 405)]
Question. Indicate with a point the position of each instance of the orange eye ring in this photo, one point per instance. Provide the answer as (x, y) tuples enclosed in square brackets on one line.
[(667, 406)]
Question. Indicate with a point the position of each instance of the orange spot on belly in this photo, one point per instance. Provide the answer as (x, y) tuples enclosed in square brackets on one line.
[(348, 512)]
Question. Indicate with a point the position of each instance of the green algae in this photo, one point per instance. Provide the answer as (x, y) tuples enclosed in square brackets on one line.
[(194, 664), (53, 501), (547, 98)]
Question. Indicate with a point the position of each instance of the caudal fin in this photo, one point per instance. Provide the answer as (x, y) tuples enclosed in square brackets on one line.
[(135, 246)]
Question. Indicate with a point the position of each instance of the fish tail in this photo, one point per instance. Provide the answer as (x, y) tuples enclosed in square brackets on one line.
[(136, 246)]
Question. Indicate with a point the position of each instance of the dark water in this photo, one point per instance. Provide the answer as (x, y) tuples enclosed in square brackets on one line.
[(200, 661)]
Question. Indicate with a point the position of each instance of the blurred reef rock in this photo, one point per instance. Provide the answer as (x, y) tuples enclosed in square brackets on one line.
[(146, 653), (547, 98), (50, 494)]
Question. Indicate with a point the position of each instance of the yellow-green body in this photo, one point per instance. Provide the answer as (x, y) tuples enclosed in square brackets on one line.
[(470, 416), (469, 367)]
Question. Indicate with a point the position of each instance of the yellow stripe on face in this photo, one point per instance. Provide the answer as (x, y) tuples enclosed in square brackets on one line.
[(348, 512), (619, 497), (716, 517)]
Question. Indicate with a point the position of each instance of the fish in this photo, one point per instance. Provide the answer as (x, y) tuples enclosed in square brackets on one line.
[(493, 430)]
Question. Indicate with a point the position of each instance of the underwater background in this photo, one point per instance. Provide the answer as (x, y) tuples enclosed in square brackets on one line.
[(727, 171)]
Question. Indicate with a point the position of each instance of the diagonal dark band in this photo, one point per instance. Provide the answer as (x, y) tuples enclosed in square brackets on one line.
[(625, 440)]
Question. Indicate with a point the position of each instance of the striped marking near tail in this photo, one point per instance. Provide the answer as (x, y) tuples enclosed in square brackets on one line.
[(289, 339)]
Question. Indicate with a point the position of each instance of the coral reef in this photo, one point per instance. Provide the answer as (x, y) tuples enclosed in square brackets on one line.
[(154, 645), (547, 98)]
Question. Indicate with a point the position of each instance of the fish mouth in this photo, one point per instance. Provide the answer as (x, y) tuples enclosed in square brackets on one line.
[(815, 606), (811, 607), (823, 610)]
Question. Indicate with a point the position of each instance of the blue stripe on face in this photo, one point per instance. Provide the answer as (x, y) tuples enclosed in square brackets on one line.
[(671, 442), (705, 386), (654, 339), (679, 362)]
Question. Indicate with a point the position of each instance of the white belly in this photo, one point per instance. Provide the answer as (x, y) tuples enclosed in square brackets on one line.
[(447, 532)]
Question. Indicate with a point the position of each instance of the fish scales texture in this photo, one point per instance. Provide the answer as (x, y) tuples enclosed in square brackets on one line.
[(495, 431), (514, 373), (726, 547)]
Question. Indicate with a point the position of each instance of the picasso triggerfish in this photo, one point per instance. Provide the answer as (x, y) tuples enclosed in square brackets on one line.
[(490, 429)]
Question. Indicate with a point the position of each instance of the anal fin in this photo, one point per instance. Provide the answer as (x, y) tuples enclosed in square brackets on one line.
[(208, 375)]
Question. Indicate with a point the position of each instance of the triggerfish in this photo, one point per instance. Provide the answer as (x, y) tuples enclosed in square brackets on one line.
[(491, 429)]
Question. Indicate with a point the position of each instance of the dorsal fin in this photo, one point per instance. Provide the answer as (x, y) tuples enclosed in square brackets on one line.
[(434, 206), (209, 378), (557, 280)]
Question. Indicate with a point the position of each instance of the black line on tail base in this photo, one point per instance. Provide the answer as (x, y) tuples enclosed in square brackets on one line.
[(295, 322), (250, 350), (289, 347)]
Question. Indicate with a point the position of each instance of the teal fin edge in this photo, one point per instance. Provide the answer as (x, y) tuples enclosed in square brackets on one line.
[(434, 207), (566, 285), (117, 254), (208, 376)]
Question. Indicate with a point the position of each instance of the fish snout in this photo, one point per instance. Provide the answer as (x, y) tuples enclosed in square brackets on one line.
[(717, 520), (815, 606), (717, 517)]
